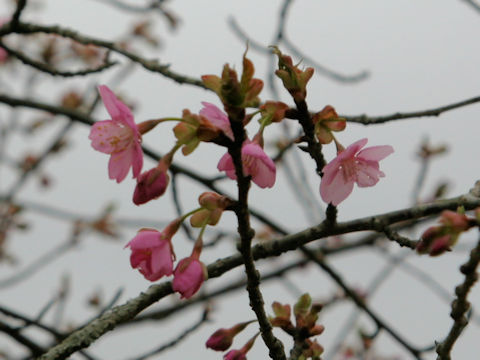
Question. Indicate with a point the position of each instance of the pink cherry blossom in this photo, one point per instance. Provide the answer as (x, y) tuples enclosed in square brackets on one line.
[(152, 253), (217, 117), (255, 163), (352, 166), (188, 277), (151, 184), (119, 137)]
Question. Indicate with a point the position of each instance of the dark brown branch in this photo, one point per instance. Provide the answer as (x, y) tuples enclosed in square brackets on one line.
[(43, 67), (371, 120), (460, 306), (275, 346), (35, 349), (314, 147), (151, 65), (319, 68), (18, 11)]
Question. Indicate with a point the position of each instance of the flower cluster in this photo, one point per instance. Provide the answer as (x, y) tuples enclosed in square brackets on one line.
[(121, 138), (305, 327)]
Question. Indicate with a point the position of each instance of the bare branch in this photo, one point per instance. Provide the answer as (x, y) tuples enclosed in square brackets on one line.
[(371, 120), (460, 306)]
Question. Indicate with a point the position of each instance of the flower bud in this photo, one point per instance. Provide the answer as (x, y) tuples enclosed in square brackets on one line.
[(200, 218), (222, 339), (294, 79), (240, 354), (273, 111), (454, 220), (327, 121), (150, 185)]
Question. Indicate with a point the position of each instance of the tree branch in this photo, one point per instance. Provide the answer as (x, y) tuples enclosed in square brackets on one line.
[(460, 306), (85, 336), (371, 120)]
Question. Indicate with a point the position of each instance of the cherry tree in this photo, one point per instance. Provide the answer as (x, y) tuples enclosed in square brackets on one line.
[(222, 203)]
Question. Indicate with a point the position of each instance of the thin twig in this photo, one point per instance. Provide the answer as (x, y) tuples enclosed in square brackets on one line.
[(151, 65), (18, 11), (43, 67), (371, 120), (460, 306), (473, 4)]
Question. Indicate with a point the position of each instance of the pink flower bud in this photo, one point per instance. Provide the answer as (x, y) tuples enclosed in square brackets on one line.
[(188, 277), (240, 354), (454, 220), (150, 185), (440, 245), (235, 355), (222, 339), (435, 241)]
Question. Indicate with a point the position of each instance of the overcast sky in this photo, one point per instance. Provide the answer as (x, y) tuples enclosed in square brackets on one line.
[(419, 55)]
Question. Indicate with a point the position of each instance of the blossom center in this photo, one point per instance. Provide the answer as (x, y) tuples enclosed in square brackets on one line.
[(348, 168), (121, 138)]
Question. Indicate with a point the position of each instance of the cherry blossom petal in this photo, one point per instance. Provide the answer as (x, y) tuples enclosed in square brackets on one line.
[(375, 153), (217, 117), (350, 151), (188, 277), (162, 262), (137, 159), (145, 239), (101, 134), (119, 165), (337, 190), (117, 109), (368, 173), (260, 166), (226, 164)]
